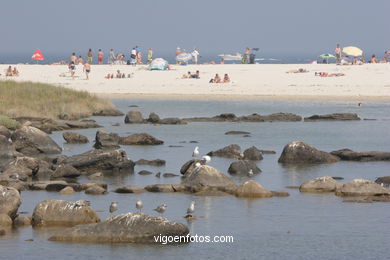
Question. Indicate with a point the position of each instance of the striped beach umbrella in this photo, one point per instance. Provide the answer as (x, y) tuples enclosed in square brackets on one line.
[(184, 57)]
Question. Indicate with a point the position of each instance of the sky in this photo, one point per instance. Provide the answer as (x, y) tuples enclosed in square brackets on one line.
[(213, 26)]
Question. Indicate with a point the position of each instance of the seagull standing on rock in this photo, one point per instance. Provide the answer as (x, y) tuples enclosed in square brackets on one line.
[(206, 159), (250, 173), (195, 153), (113, 206), (161, 209), (139, 205), (191, 209)]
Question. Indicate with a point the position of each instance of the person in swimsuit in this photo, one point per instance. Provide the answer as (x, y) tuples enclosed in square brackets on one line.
[(73, 57), (89, 55), (8, 72), (72, 68), (100, 56), (87, 69), (150, 55), (217, 79), (226, 78), (79, 60), (338, 54)]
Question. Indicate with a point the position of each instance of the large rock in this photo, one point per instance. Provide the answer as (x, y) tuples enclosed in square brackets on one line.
[(252, 189), (129, 189), (63, 213), (140, 139), (189, 166), (5, 220), (349, 155), (172, 121), (253, 154), (321, 184), (66, 171), (207, 177), (230, 151), (359, 187), (108, 112), (165, 188), (153, 118), (385, 180), (96, 190), (242, 167), (99, 160), (134, 117), (156, 162), (32, 141), (9, 201), (300, 152), (43, 185), (333, 117), (5, 131), (123, 228), (106, 140), (74, 138)]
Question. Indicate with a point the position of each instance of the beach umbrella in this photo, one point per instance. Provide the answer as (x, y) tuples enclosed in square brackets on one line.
[(158, 64), (352, 51), (184, 57), (37, 56), (327, 56)]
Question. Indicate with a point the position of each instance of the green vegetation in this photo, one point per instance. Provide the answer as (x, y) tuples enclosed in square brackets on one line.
[(8, 122), (43, 100)]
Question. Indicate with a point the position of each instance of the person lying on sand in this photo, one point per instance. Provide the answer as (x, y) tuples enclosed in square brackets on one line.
[(326, 74), (226, 78), (15, 72), (8, 72), (186, 76), (196, 75), (300, 70), (217, 79), (109, 76)]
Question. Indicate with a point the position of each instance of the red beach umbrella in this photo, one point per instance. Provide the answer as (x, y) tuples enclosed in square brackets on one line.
[(38, 55)]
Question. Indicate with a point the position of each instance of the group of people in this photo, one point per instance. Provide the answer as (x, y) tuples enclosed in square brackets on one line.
[(73, 61), (345, 60), (9, 72), (189, 75), (195, 54), (119, 75), (217, 79)]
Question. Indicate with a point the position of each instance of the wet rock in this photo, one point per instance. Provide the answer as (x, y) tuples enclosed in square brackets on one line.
[(153, 118), (134, 117), (280, 193), (2, 232), (74, 138), (9, 201), (22, 221), (108, 112), (321, 184), (42, 185), (95, 190), (32, 141), (140, 139), (5, 220), (160, 188), (123, 228), (169, 175), (252, 189), (253, 154), (83, 124), (211, 192), (5, 131), (276, 117), (106, 140), (189, 166), (129, 189), (333, 117), (230, 151), (63, 213), (144, 172), (237, 133), (67, 191), (65, 171), (385, 180), (359, 187), (56, 186), (157, 162), (267, 152), (95, 176), (7, 150), (158, 175), (172, 121), (349, 155), (300, 152), (242, 167)]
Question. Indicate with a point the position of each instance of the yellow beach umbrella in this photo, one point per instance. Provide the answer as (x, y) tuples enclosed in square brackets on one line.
[(353, 51)]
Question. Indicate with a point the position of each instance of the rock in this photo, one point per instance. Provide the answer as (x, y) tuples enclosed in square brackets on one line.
[(242, 167), (359, 187), (172, 121), (158, 175), (169, 175), (189, 166), (67, 191), (5, 131), (66, 171), (85, 123), (252, 189), (95, 176), (134, 117), (156, 162), (253, 154), (7, 150), (160, 188), (106, 140), (22, 221), (144, 172), (349, 155), (56, 186), (300, 152), (321, 184), (42, 185), (2, 232), (26, 165), (211, 193), (153, 118), (9, 201), (108, 112), (123, 228), (5, 220), (237, 133), (385, 180), (140, 139), (86, 186), (205, 178), (229, 117), (279, 193), (230, 151), (267, 152), (333, 117), (74, 138), (63, 213), (95, 190), (129, 189), (99, 160)]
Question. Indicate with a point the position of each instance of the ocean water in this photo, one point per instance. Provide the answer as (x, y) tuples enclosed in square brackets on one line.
[(301, 226)]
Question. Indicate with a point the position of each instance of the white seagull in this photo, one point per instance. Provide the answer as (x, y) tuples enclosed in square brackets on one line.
[(250, 173), (113, 206), (161, 209), (206, 159), (139, 205), (191, 209), (195, 153)]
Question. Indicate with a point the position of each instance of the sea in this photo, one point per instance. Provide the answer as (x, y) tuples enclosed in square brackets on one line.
[(301, 226)]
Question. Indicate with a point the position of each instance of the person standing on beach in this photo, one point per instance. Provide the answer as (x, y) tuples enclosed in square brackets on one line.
[(178, 51), (89, 55), (133, 57), (195, 53), (111, 57), (247, 55), (87, 69), (338, 54), (100, 56), (150, 55), (79, 60), (73, 58)]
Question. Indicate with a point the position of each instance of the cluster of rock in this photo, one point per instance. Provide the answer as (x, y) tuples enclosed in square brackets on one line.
[(113, 140), (135, 117), (230, 117)]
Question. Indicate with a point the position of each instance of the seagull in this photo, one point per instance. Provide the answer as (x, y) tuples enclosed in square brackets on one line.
[(161, 209), (10, 140), (250, 173), (191, 209), (195, 153), (139, 205), (81, 203), (197, 165), (206, 159), (113, 206)]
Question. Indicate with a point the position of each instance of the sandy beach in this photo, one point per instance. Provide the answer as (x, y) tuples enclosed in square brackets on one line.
[(368, 82)]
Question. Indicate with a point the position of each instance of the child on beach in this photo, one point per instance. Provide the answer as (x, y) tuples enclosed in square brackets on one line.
[(100, 56), (87, 69)]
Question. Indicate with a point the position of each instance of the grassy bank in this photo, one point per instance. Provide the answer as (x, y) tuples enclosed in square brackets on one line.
[(43, 100)]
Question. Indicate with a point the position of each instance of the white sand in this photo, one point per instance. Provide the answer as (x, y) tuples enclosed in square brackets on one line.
[(260, 81)]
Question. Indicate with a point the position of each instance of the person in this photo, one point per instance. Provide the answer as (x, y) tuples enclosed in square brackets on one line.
[(15, 72), (100, 56), (187, 76), (73, 58), (150, 55), (111, 57), (196, 75), (247, 55), (72, 68), (178, 51), (300, 70), (89, 55), (217, 79), (226, 78), (139, 57), (385, 59), (79, 60), (222, 61), (87, 69), (133, 57), (337, 51), (373, 59), (8, 72), (195, 53)]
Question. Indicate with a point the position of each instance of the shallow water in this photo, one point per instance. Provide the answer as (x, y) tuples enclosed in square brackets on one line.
[(302, 226)]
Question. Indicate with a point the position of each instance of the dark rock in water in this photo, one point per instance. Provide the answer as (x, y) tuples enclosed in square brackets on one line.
[(385, 180), (134, 117), (2, 232), (32, 141), (41, 185), (133, 106), (246, 136), (85, 123), (169, 175), (252, 189), (321, 184), (226, 116), (65, 170), (124, 228), (156, 162), (349, 155), (106, 140), (158, 175), (267, 152), (359, 187), (333, 117), (367, 199), (56, 186), (63, 213), (99, 160), (10, 201), (237, 133), (279, 193), (144, 172), (153, 118), (172, 121), (116, 124), (95, 190), (300, 152), (160, 188), (292, 187), (194, 142), (108, 112), (337, 178), (276, 117), (242, 167), (74, 138), (211, 192), (22, 221), (189, 166), (253, 154), (175, 146), (230, 151), (129, 189), (140, 139)]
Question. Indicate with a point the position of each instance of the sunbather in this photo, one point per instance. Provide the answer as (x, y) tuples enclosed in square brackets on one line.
[(226, 78)]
